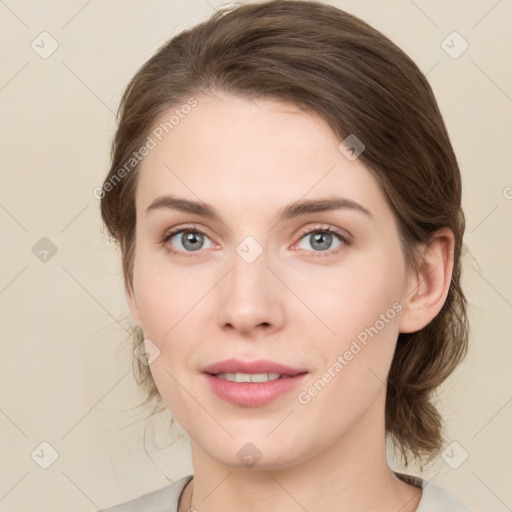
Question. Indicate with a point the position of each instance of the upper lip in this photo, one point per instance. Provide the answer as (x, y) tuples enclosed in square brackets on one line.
[(259, 366)]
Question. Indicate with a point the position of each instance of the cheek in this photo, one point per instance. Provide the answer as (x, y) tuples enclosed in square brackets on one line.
[(167, 381), (166, 292), (358, 305), (355, 361), (169, 302), (345, 299)]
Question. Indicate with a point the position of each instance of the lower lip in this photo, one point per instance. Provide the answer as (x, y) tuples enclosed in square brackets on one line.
[(252, 394)]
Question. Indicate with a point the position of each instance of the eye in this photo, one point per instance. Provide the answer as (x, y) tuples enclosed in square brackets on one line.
[(187, 239), (321, 240)]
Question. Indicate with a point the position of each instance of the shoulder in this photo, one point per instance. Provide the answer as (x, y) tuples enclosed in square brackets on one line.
[(162, 500), (435, 498)]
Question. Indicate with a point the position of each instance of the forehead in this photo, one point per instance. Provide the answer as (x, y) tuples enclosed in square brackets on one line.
[(221, 123), (230, 150)]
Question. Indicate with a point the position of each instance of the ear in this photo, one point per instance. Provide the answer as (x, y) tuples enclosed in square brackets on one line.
[(428, 288), (132, 304)]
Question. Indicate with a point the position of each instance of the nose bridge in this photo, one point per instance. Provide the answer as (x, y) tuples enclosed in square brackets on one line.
[(248, 298), (249, 268)]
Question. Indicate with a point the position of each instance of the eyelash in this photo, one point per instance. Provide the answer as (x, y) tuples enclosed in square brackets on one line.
[(346, 242)]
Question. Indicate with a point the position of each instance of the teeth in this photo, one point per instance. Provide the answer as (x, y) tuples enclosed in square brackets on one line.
[(248, 377)]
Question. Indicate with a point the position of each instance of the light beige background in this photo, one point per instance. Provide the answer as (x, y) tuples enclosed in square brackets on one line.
[(65, 360)]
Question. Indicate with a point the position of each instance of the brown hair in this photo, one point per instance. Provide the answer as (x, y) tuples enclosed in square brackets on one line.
[(331, 63)]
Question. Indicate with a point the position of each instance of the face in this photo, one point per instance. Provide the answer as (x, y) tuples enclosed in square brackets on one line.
[(317, 289)]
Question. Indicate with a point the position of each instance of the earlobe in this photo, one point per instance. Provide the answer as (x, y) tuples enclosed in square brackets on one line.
[(132, 304), (428, 288)]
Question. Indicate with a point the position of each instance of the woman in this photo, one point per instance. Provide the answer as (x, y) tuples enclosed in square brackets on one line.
[(288, 207)]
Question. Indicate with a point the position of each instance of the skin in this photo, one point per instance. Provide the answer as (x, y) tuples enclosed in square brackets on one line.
[(296, 304)]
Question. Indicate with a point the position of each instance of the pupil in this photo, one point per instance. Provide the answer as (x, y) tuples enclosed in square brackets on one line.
[(327, 238), (191, 238)]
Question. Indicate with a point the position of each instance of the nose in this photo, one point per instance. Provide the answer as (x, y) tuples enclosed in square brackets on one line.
[(250, 298)]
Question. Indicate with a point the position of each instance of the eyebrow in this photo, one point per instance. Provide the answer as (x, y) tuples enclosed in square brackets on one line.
[(290, 211)]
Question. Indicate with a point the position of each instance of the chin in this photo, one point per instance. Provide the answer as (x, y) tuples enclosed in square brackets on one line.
[(256, 455)]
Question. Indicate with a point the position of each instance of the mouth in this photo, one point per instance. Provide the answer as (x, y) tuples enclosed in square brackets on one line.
[(259, 367), (252, 384), (251, 377)]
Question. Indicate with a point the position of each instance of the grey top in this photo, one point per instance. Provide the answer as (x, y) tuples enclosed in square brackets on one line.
[(433, 499)]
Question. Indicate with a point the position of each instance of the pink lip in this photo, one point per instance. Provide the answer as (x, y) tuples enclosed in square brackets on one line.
[(259, 366), (252, 394)]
